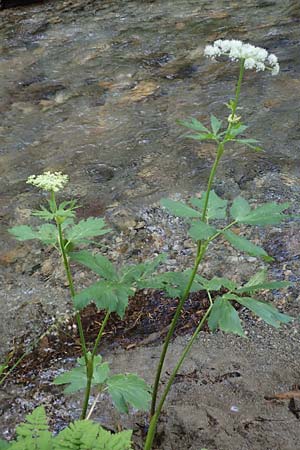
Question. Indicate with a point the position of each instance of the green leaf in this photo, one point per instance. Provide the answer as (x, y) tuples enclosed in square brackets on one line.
[(47, 233), (23, 233), (265, 311), (215, 124), (4, 444), (200, 137), (250, 143), (237, 129), (201, 231), (240, 208), (216, 208), (86, 229), (263, 286), (267, 214), (33, 434), (127, 390), (107, 295), (179, 209), (87, 435), (193, 124), (225, 317), (241, 243), (216, 283), (140, 273), (76, 378), (97, 263), (173, 283), (258, 278)]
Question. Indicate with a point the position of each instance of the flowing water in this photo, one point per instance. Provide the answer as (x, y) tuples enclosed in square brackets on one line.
[(94, 89)]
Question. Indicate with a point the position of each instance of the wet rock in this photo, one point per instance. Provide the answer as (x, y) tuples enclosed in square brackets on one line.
[(143, 90)]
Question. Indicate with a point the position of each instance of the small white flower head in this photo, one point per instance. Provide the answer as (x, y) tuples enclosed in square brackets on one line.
[(256, 58), (49, 181), (234, 119)]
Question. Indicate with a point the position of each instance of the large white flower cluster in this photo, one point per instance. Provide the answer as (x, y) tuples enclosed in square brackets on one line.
[(49, 181), (254, 57)]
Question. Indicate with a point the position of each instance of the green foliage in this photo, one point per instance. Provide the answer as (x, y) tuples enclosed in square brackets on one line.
[(84, 230), (97, 263), (129, 389), (241, 243), (225, 317), (33, 434), (80, 435), (216, 208), (179, 209), (267, 214), (112, 293), (45, 233), (215, 124), (66, 210), (174, 283), (265, 311), (86, 435), (76, 378), (201, 231)]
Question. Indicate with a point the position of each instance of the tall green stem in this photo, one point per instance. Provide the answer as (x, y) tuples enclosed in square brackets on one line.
[(155, 417), (201, 249), (90, 368), (172, 328)]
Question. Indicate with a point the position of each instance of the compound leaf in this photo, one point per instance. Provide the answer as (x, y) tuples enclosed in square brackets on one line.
[(23, 232), (107, 295), (265, 311), (240, 208), (201, 231), (224, 316), (97, 263), (216, 208), (179, 209), (241, 243), (87, 435), (76, 377), (215, 124), (267, 214), (194, 124), (129, 389), (81, 232)]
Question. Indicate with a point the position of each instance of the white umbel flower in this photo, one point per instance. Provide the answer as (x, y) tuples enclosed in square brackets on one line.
[(49, 181), (256, 58)]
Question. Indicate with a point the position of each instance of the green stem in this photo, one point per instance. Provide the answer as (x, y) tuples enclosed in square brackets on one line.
[(172, 328), (90, 369), (155, 417), (72, 289), (100, 334), (201, 250)]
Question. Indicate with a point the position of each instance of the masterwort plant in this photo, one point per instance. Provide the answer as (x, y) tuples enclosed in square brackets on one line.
[(210, 219)]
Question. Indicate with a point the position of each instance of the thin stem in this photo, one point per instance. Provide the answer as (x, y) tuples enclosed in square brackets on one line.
[(90, 368), (172, 328), (155, 417), (220, 151), (72, 289), (93, 406), (100, 334), (238, 87)]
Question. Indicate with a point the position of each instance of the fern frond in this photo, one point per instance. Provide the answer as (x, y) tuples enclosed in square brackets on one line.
[(33, 434), (87, 435)]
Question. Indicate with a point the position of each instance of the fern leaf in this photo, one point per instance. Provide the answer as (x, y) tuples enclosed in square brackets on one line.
[(33, 434), (87, 435)]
